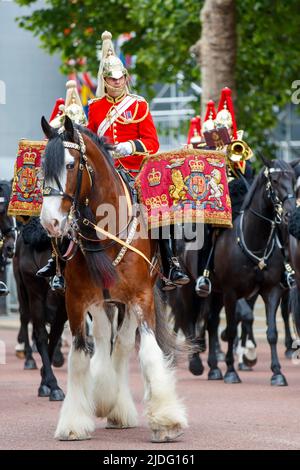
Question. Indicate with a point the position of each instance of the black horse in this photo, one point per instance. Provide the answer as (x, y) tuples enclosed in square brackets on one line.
[(249, 260), (7, 233), (38, 304)]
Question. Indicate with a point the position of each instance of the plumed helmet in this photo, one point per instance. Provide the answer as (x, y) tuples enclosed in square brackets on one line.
[(225, 116), (110, 64), (194, 134), (210, 115)]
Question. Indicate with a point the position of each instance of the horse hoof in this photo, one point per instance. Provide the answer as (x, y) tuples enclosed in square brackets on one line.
[(195, 366), (44, 391), (56, 395), (215, 374), (30, 364), (231, 378), (278, 380), (74, 437), (58, 360), (244, 367), (249, 362), (114, 425), (289, 353), (166, 434)]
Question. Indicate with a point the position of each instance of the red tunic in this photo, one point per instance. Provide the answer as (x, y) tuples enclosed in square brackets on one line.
[(134, 124)]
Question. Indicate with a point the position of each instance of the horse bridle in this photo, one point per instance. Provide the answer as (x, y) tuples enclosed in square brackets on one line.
[(83, 165), (74, 212), (278, 207)]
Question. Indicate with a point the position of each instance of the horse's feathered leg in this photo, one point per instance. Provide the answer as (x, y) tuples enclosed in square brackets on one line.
[(105, 385), (165, 412), (123, 414), (272, 299), (76, 415)]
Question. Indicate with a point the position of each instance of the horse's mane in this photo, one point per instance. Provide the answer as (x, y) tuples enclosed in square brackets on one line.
[(280, 164), (53, 167)]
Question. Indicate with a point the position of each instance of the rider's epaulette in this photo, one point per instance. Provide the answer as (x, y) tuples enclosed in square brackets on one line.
[(93, 100), (137, 97)]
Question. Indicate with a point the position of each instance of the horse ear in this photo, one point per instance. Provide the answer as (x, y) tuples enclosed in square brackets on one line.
[(265, 161), (68, 124), (48, 130)]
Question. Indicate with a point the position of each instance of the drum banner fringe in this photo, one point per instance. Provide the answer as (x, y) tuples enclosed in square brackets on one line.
[(185, 186), (26, 197)]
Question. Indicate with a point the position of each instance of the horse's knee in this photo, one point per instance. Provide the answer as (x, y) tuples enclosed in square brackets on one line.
[(272, 336)]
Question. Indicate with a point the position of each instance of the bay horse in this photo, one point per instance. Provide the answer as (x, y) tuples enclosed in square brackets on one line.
[(38, 304), (248, 259), (7, 229), (116, 289)]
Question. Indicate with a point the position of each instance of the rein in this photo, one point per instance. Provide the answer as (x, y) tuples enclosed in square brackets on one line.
[(261, 261)]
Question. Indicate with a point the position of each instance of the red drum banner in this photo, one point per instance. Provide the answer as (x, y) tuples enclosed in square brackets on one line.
[(27, 198), (185, 186)]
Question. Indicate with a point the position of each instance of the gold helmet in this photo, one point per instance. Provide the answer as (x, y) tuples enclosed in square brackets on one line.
[(110, 64), (72, 107)]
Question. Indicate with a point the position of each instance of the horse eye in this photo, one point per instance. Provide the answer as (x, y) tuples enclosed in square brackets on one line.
[(69, 166)]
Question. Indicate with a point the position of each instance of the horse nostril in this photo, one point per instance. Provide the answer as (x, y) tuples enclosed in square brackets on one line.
[(55, 223)]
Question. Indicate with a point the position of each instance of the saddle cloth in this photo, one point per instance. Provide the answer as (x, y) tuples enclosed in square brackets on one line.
[(26, 197), (185, 186)]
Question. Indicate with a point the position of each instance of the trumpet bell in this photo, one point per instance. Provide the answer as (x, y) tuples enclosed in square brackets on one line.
[(238, 151)]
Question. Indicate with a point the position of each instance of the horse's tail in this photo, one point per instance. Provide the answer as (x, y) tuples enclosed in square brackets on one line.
[(166, 337), (294, 302)]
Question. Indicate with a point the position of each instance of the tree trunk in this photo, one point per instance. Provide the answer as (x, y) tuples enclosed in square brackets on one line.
[(216, 50)]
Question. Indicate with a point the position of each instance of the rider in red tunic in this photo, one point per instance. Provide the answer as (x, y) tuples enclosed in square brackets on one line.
[(126, 121), (122, 117)]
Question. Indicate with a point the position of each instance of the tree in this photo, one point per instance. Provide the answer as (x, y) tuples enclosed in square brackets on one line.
[(216, 50), (267, 47)]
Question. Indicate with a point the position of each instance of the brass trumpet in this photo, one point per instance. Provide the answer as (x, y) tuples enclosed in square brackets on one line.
[(236, 154), (238, 150)]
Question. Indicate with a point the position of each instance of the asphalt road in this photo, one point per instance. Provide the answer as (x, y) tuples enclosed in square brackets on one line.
[(250, 415)]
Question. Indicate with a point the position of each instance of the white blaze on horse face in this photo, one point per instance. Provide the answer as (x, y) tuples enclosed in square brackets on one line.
[(53, 219)]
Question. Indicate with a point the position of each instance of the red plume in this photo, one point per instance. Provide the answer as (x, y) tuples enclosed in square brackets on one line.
[(210, 110), (195, 128), (226, 98), (56, 111)]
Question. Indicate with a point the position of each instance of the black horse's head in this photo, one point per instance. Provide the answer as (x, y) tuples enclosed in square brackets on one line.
[(7, 224)]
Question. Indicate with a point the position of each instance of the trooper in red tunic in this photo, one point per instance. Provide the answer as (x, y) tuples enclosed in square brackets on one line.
[(127, 123), (122, 117)]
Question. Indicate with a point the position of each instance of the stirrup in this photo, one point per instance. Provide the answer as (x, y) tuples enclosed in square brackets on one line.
[(58, 283), (203, 286), (167, 285)]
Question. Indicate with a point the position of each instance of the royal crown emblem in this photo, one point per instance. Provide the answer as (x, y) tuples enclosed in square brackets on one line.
[(154, 177), (29, 158), (196, 165)]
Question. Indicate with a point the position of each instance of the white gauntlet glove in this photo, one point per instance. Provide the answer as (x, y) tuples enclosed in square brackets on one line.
[(124, 148)]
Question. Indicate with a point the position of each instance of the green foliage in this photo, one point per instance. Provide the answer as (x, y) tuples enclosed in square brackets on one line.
[(267, 56)]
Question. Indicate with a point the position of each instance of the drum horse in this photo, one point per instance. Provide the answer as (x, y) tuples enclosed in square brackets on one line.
[(79, 177)]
